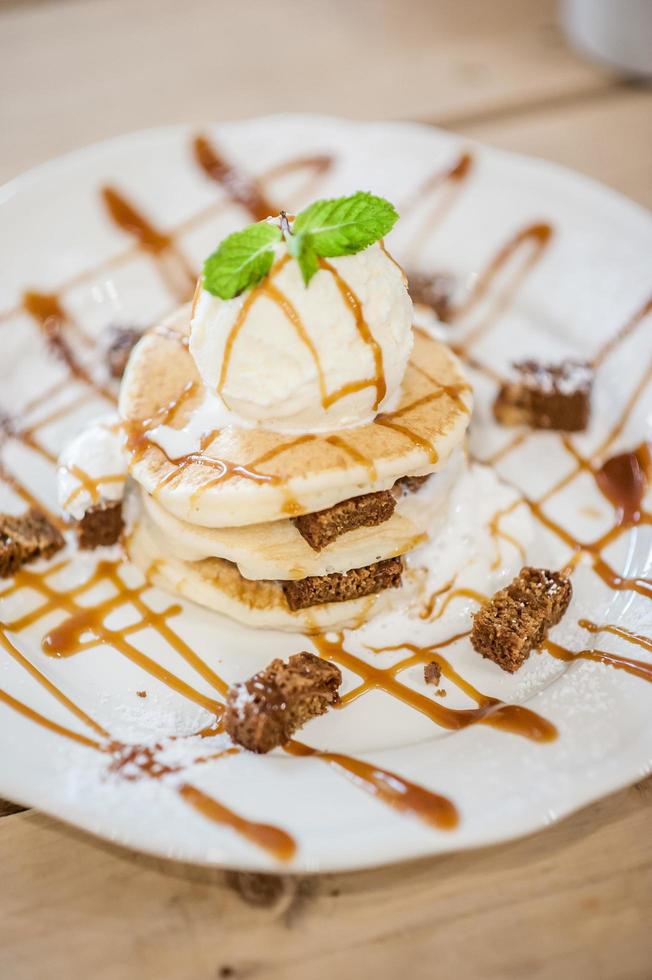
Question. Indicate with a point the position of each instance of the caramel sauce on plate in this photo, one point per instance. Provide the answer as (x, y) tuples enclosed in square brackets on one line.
[(395, 791), (622, 478), (512, 718)]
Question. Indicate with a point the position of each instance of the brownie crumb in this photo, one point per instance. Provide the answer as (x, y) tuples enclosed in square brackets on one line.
[(341, 586), (25, 538), (101, 525), (517, 618), (323, 527), (432, 673), (122, 341), (266, 710), (434, 290), (410, 484), (141, 694), (546, 396)]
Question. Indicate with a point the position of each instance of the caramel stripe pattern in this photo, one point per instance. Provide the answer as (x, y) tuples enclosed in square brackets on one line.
[(84, 630)]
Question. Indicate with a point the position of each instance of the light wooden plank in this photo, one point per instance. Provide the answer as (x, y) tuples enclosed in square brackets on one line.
[(573, 901), (609, 138), (78, 72)]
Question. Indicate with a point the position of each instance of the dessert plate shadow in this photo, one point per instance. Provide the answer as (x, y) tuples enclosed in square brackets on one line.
[(116, 737)]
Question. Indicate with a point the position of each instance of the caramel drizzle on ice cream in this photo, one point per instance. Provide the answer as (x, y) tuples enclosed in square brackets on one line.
[(355, 306), (270, 290)]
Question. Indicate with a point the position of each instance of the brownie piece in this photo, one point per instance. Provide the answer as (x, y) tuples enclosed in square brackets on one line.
[(266, 710), (517, 618), (546, 396), (434, 290), (101, 525), (432, 673), (410, 484), (122, 341), (340, 586), (325, 526), (26, 538)]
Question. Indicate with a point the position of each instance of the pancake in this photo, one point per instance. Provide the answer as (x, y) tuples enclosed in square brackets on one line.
[(218, 585), (252, 476), (277, 550)]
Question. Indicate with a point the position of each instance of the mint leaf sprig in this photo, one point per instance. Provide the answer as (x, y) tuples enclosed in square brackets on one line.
[(339, 226)]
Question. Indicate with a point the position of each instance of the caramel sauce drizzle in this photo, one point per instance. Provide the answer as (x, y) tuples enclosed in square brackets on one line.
[(137, 442), (46, 309), (245, 192), (365, 334), (171, 262), (393, 261), (395, 791), (47, 723), (512, 718), (88, 483), (267, 288), (270, 838), (136, 431), (225, 469), (67, 640), (621, 335), (620, 479), (272, 292), (623, 479), (641, 641), (419, 441), (445, 185), (638, 668), (536, 238), (13, 651), (429, 606), (28, 497), (339, 443), (450, 595)]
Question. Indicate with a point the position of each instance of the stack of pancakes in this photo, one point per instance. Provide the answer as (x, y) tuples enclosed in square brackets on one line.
[(290, 532)]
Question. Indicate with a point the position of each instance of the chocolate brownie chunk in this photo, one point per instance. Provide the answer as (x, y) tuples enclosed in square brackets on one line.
[(122, 341), (434, 290), (101, 525), (266, 710), (26, 538), (410, 484), (432, 673), (546, 396), (517, 618), (323, 527), (340, 586)]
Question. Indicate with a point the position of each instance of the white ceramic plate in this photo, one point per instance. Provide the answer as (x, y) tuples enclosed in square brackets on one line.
[(571, 296)]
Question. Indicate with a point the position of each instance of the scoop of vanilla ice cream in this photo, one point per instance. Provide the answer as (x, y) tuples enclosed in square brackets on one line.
[(92, 468), (295, 358)]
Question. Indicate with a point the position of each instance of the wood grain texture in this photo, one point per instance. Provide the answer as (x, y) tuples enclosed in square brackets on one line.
[(572, 902), (82, 71), (607, 137)]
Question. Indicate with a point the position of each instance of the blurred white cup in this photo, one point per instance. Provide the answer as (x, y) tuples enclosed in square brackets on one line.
[(615, 32)]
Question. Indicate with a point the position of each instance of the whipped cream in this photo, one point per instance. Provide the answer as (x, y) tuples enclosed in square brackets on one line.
[(92, 468), (296, 358)]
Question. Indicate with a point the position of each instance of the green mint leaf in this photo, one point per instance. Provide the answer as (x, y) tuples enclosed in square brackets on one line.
[(241, 260), (345, 225), (301, 248)]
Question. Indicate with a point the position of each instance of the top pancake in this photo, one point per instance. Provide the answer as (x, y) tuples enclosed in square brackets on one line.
[(250, 476)]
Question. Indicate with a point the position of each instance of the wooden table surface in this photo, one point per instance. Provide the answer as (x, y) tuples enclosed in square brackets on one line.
[(573, 901)]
